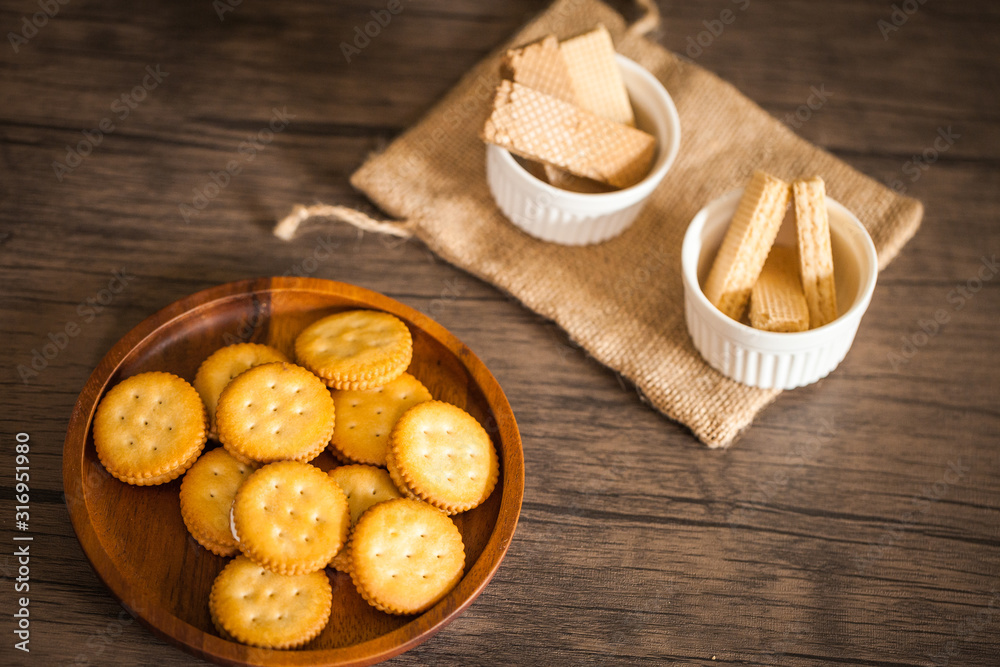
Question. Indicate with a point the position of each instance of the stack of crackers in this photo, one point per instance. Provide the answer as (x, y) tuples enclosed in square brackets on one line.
[(563, 108), (788, 289), (384, 517)]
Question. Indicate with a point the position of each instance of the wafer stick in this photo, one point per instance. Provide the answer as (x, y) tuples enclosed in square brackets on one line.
[(776, 300), (540, 65), (540, 127), (746, 244), (597, 81), (815, 254)]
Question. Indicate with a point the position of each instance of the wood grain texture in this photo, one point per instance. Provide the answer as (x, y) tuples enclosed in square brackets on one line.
[(831, 534)]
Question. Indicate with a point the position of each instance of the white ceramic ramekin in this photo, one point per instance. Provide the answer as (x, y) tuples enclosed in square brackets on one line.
[(574, 218), (768, 359)]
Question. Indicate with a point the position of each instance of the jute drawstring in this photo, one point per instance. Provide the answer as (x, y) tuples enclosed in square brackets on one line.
[(289, 225)]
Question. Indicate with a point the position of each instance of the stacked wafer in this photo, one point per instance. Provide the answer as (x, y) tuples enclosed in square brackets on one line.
[(564, 109), (787, 289)]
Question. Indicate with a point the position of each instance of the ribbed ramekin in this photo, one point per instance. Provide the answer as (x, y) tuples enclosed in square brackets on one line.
[(574, 218), (768, 359)]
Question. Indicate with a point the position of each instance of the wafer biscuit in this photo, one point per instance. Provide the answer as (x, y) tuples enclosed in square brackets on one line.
[(562, 179), (539, 65), (405, 556), (595, 76), (442, 455), (815, 253), (275, 412), (206, 497), (540, 127), (597, 87), (746, 244), (149, 428), (356, 349), (225, 364), (366, 417), (566, 181), (290, 517), (364, 487), (536, 169), (776, 300), (261, 608)]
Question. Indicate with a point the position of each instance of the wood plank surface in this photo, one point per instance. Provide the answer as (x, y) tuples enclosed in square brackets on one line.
[(857, 522)]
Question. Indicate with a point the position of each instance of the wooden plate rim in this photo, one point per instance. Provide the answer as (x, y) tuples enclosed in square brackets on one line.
[(215, 648)]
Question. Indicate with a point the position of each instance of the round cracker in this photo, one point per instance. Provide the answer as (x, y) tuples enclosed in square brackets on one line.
[(364, 486), (224, 365), (405, 556), (366, 417), (262, 608), (149, 428), (206, 497), (342, 561), (291, 517), (161, 479), (356, 349), (441, 454), (275, 412)]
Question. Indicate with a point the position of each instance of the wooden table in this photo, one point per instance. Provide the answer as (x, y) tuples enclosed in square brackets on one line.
[(857, 522)]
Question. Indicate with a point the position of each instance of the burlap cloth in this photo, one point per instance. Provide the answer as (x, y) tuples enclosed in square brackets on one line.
[(621, 300)]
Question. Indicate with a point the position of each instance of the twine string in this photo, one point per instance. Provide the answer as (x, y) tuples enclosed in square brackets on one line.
[(289, 225), (649, 22)]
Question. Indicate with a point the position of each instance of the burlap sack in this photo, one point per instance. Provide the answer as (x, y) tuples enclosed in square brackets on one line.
[(621, 300)]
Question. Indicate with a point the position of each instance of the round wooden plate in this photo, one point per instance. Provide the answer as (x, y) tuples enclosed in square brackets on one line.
[(134, 536)]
